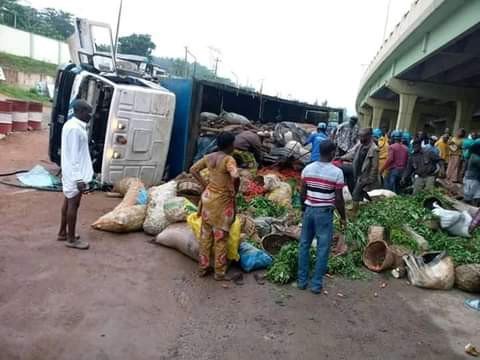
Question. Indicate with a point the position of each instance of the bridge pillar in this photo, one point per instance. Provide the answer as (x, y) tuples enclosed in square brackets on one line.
[(364, 116), (377, 116), (405, 111), (463, 115)]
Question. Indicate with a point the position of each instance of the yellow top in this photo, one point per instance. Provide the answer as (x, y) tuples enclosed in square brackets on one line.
[(442, 147), (383, 147)]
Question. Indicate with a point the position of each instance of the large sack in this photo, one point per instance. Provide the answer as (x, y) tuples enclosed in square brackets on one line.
[(381, 193), (178, 208), (179, 237), (252, 258), (297, 150), (234, 236), (155, 221), (282, 195), (130, 188), (454, 222), (125, 219), (208, 116), (126, 216), (233, 118), (431, 270), (467, 277)]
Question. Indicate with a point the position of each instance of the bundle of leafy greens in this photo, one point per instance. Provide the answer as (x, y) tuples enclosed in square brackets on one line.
[(260, 206), (392, 213)]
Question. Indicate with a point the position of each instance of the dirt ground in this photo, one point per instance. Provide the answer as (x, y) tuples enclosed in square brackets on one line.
[(128, 299)]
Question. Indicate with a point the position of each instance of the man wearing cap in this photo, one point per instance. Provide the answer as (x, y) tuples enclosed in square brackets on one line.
[(424, 165), (315, 139), (77, 171), (396, 162)]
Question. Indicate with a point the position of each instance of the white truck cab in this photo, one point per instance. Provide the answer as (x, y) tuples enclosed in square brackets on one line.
[(132, 121)]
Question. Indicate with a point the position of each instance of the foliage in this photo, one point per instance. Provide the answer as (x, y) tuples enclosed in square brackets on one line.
[(136, 44), (260, 206), (49, 22), (285, 264), (16, 92), (26, 64), (348, 265), (392, 213)]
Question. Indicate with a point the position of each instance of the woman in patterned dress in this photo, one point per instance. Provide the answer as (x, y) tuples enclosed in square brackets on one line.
[(217, 206)]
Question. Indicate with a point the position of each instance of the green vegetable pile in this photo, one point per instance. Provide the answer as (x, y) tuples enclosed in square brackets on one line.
[(260, 206), (285, 265), (391, 213)]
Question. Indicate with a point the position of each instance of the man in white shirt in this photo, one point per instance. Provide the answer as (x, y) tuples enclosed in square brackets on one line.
[(77, 171)]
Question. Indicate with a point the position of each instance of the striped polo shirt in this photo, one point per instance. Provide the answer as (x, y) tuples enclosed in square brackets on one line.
[(321, 180)]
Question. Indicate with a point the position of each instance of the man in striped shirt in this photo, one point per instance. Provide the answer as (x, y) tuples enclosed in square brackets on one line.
[(322, 185)]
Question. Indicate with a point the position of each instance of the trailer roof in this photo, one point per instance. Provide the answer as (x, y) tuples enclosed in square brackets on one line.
[(243, 91)]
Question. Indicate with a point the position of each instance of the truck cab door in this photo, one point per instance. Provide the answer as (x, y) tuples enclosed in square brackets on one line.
[(91, 46)]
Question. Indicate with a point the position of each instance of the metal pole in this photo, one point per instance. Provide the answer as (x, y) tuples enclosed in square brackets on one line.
[(115, 47), (217, 60), (186, 63), (386, 20)]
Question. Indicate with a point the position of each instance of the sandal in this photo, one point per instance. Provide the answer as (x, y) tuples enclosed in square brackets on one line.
[(237, 279), (77, 244), (221, 277), (204, 272), (259, 278), (64, 238)]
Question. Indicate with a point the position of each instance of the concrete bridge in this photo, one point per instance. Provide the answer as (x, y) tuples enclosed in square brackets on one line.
[(426, 74)]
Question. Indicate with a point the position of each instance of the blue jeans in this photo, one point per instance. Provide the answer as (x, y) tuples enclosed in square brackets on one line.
[(317, 222), (393, 179)]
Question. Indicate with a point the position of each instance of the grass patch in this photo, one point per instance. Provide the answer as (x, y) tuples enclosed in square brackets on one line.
[(19, 93), (26, 64)]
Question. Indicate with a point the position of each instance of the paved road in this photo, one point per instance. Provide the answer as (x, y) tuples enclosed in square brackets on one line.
[(128, 299)]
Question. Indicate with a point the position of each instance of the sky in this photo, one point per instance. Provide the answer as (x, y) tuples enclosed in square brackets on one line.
[(304, 49)]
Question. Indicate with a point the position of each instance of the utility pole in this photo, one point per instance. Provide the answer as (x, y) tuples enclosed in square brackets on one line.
[(217, 60), (386, 20), (261, 86), (186, 63)]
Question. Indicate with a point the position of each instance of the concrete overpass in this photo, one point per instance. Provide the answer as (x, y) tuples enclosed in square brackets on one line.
[(426, 74)]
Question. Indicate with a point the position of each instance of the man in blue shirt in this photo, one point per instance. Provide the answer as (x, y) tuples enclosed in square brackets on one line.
[(315, 139)]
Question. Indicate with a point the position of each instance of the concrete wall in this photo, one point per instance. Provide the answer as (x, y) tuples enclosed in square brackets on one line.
[(22, 43), (25, 80)]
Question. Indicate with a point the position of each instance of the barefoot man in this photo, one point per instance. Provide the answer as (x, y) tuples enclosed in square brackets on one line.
[(77, 171)]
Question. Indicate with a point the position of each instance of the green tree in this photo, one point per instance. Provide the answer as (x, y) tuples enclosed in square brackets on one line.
[(61, 21), (48, 22), (136, 44)]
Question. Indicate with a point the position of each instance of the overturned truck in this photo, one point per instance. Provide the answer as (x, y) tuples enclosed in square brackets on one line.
[(130, 131)]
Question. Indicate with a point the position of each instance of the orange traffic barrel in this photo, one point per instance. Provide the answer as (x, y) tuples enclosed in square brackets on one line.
[(20, 115), (35, 110), (5, 117)]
